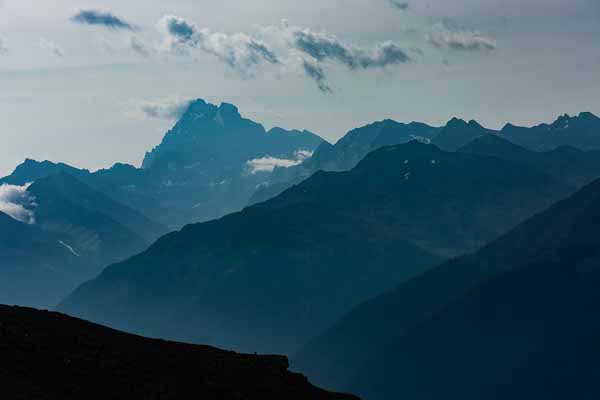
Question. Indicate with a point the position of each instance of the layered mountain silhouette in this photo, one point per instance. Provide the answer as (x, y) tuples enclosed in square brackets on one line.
[(279, 272), (567, 164), (207, 166), (51, 356), (581, 132), (517, 319), (35, 267), (458, 133), (74, 232), (345, 154)]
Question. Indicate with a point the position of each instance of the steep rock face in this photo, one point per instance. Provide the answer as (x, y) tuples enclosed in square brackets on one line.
[(204, 166), (302, 259), (517, 319), (207, 166), (51, 356)]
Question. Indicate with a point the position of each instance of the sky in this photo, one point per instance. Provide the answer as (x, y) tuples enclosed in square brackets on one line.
[(92, 82)]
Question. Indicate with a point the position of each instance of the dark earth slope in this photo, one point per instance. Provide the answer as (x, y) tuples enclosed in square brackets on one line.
[(47, 356)]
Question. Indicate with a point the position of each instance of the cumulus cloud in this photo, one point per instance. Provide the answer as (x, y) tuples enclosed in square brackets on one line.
[(401, 5), (17, 202), (52, 47), (303, 49), (317, 49), (323, 46), (240, 51), (449, 35), (102, 18), (171, 108), (268, 164)]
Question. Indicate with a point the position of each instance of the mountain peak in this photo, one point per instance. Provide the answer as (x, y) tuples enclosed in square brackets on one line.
[(229, 110), (588, 116), (475, 124), (456, 123)]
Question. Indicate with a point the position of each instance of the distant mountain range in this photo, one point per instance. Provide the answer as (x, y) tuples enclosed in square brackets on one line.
[(270, 277), (581, 132), (351, 256), (207, 166), (51, 356), (345, 154), (517, 319)]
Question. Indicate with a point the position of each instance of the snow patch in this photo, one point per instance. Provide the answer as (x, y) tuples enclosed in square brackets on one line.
[(420, 139), (71, 250)]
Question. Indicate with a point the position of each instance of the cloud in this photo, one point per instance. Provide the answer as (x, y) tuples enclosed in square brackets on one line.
[(314, 71), (317, 49), (17, 202), (102, 18), (52, 47), (323, 46), (448, 35), (171, 108), (178, 30), (268, 164), (302, 155), (401, 5), (239, 51)]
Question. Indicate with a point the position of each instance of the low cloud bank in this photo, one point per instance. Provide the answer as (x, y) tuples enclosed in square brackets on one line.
[(268, 164), (17, 202)]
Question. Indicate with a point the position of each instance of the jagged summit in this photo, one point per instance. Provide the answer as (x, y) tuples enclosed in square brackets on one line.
[(458, 133)]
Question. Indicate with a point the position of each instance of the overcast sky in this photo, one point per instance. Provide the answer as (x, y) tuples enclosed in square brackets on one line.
[(93, 82)]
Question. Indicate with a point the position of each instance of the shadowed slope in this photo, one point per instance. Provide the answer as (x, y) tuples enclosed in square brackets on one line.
[(52, 356), (275, 274), (518, 319)]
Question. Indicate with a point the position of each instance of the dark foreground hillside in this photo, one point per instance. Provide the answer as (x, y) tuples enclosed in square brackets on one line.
[(46, 355)]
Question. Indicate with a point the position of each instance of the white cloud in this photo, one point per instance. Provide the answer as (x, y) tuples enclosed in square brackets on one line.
[(17, 202), (52, 47), (239, 50), (302, 155), (448, 35), (172, 108), (268, 163), (316, 49)]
